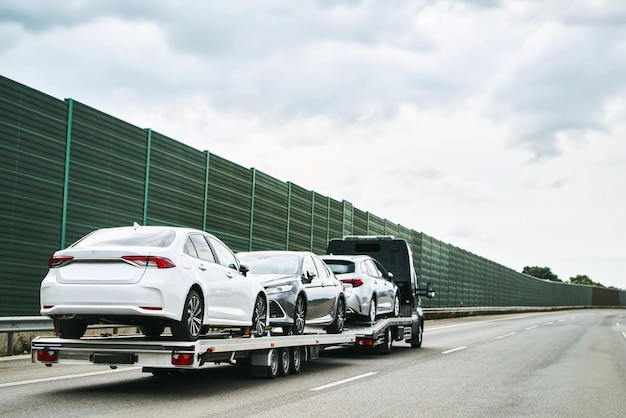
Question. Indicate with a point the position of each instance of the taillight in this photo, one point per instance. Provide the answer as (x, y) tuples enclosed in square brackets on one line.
[(353, 282), (59, 261), (148, 261), (182, 359), (47, 356)]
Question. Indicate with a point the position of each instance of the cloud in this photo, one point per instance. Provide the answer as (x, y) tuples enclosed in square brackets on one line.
[(495, 126)]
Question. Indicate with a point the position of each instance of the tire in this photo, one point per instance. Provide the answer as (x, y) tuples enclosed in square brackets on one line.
[(386, 347), (299, 316), (272, 370), (72, 328), (284, 362), (396, 306), (296, 360), (372, 310), (259, 316), (152, 331), (340, 318), (419, 335), (190, 326)]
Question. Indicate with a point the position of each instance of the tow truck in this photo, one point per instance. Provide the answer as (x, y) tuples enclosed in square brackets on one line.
[(266, 356)]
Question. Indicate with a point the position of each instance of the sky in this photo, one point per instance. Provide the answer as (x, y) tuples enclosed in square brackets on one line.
[(496, 126)]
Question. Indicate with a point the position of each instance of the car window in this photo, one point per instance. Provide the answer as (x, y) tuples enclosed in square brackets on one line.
[(372, 269), (127, 237), (190, 249), (381, 270), (263, 263), (308, 266), (340, 266), (224, 255), (322, 268), (202, 247)]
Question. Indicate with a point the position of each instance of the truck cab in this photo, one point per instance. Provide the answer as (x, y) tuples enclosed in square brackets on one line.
[(396, 256)]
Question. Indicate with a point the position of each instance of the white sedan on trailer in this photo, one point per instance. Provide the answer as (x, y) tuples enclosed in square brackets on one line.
[(152, 277)]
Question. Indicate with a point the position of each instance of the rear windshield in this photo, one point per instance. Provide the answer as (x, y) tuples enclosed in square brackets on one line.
[(340, 266), (127, 237)]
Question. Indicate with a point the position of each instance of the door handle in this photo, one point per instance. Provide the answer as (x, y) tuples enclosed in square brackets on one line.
[(201, 266), (229, 274)]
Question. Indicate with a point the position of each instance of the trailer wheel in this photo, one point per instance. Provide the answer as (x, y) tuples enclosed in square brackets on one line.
[(284, 362), (386, 347), (417, 339), (72, 328), (296, 360), (272, 370)]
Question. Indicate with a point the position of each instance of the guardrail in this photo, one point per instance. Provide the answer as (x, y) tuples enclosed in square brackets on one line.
[(28, 324)]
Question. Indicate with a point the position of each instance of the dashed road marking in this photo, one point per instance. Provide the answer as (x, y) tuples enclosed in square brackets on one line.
[(533, 327), (454, 349), (506, 335), (65, 377), (341, 382)]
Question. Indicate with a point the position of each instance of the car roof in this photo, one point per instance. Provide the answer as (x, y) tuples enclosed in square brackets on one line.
[(177, 229), (277, 252), (350, 257)]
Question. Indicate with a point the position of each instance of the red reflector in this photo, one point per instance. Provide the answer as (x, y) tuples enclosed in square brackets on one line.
[(59, 261), (151, 308), (47, 356), (182, 359), (148, 261), (48, 306), (365, 342), (353, 282)]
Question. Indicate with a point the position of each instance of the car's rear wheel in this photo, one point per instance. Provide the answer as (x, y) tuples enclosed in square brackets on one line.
[(372, 310), (72, 328), (259, 317), (299, 316), (340, 318), (396, 306), (152, 331), (190, 326)]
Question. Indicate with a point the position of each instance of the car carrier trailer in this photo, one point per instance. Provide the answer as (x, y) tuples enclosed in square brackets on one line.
[(268, 356)]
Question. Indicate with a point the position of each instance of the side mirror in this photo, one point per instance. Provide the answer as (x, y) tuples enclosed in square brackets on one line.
[(390, 275), (307, 277), (430, 290), (244, 269)]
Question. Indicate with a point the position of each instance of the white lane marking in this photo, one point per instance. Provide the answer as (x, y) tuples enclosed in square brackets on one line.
[(474, 323), (506, 335), (68, 376), (454, 349), (549, 323), (341, 382), (533, 327), (624, 334)]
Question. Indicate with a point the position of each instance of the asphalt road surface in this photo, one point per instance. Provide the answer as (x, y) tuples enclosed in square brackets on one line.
[(559, 364)]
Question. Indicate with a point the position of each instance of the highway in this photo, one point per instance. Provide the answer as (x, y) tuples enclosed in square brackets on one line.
[(558, 364)]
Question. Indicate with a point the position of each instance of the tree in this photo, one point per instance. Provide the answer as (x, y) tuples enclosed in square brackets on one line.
[(541, 272), (584, 279)]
